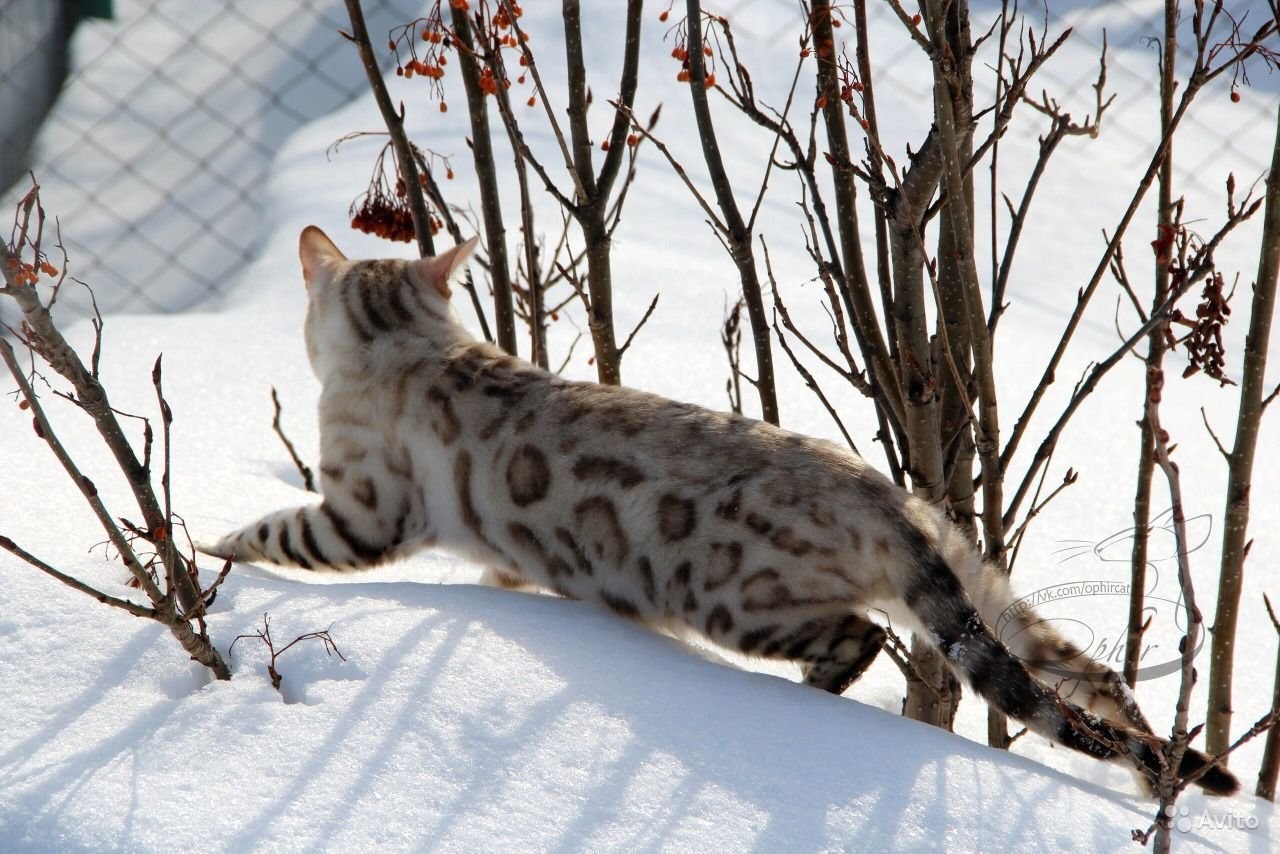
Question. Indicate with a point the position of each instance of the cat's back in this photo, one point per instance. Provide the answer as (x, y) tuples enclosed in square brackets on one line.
[(569, 440)]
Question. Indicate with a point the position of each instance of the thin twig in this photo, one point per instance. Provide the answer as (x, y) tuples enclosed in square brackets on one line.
[(264, 635), (308, 477), (1212, 435), (814, 386), (643, 320), (90, 492), (1266, 401), (74, 583)]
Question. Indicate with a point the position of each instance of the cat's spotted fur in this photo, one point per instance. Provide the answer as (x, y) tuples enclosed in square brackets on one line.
[(761, 540)]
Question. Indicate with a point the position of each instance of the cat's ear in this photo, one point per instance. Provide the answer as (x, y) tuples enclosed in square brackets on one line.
[(437, 271), (318, 255)]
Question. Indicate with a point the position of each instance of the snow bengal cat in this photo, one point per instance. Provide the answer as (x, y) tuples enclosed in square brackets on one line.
[(760, 540)]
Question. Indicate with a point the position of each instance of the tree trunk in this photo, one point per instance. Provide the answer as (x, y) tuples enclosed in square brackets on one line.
[(738, 234), (1235, 544), (504, 316), (1269, 770), (1154, 361)]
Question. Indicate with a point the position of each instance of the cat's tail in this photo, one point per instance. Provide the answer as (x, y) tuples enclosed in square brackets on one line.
[(936, 597), (1052, 658)]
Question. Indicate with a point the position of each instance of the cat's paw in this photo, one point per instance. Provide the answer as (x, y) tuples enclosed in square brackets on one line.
[(505, 579), (221, 548)]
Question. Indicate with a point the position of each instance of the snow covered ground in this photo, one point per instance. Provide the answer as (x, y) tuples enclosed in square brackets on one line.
[(465, 718)]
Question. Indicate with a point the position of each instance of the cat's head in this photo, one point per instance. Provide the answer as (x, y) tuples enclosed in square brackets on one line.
[(353, 304)]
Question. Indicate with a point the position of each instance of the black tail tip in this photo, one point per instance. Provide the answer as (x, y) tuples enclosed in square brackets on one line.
[(1215, 781)]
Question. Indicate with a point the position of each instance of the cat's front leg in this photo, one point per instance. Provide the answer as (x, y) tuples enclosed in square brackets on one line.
[(309, 537)]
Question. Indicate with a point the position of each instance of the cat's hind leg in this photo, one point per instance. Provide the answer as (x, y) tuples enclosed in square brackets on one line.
[(833, 651), (838, 656)]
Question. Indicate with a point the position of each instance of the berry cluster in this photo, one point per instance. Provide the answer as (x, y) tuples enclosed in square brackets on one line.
[(26, 274), (384, 217), (430, 35), (680, 53), (384, 211), (502, 20), (417, 66)]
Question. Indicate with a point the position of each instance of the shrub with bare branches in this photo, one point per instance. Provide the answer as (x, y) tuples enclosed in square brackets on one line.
[(159, 565)]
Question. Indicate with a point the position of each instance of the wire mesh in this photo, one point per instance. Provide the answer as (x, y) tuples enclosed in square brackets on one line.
[(167, 124), (172, 111)]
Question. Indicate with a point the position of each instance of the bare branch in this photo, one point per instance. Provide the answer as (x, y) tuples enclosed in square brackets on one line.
[(1266, 401), (712, 217), (813, 386), (308, 477), (486, 173), (74, 583), (809, 381), (736, 230), (1217, 443), (45, 340), (87, 488), (652, 305), (579, 190), (264, 635)]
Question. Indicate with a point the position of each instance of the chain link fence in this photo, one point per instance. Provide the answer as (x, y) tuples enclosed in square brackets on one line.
[(172, 111), (166, 124)]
